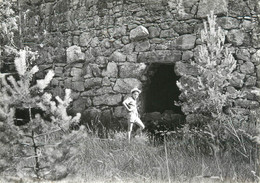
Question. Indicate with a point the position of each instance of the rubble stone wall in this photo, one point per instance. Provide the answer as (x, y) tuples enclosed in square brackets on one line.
[(102, 48)]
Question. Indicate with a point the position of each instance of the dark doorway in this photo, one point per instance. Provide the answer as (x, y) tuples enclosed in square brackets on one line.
[(162, 90)]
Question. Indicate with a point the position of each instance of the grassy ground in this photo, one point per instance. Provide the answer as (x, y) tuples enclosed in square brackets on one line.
[(117, 161)]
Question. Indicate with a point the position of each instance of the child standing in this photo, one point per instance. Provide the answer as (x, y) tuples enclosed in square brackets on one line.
[(133, 116)]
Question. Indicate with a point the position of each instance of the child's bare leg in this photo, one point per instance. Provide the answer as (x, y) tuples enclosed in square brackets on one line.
[(130, 128), (141, 126)]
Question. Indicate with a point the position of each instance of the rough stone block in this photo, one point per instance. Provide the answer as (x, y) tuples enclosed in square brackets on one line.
[(258, 72), (58, 71), (131, 70), (125, 85), (104, 90), (107, 99), (106, 81), (75, 40), (247, 68), (76, 72), (125, 39), (236, 37), (74, 95), (228, 22), (139, 33), (128, 49), (54, 82), (77, 86), (187, 55), (166, 25), (95, 70), (184, 28), (205, 6), (87, 72), (243, 54), (101, 60), (89, 57), (168, 34), (247, 25), (185, 69), (185, 42), (256, 37), (118, 31), (189, 3), (79, 105), (105, 43), (132, 57), (117, 57), (96, 92), (85, 39), (74, 54), (111, 70), (92, 82), (154, 32), (250, 81), (239, 8), (160, 56), (67, 83), (117, 44), (94, 42), (142, 46), (78, 65), (237, 80), (256, 57), (163, 46)]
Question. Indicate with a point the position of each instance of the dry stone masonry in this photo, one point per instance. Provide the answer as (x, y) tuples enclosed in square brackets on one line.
[(102, 48)]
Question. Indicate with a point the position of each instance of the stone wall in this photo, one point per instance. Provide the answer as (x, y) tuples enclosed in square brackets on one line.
[(102, 48)]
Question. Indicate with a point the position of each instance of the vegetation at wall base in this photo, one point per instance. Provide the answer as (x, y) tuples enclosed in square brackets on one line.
[(91, 159)]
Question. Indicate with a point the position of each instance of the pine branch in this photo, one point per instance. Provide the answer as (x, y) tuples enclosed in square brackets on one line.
[(20, 63)]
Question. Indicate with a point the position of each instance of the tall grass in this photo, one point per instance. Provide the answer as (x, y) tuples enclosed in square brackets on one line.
[(115, 160), (91, 159)]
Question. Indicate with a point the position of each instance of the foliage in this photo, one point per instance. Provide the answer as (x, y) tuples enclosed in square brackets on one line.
[(114, 160), (8, 23), (208, 94), (28, 145), (43, 123)]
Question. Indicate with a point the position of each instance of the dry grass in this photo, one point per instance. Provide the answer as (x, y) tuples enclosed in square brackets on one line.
[(115, 160)]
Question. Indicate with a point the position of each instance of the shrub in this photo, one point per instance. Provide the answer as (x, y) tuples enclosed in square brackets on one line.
[(208, 94), (28, 145)]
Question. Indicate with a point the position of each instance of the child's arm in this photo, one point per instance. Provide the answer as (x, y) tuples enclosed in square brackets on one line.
[(126, 106)]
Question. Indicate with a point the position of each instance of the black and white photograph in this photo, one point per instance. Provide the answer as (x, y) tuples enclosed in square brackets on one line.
[(129, 91)]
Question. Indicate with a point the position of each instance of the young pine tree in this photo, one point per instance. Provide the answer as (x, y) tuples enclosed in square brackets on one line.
[(28, 145), (208, 95)]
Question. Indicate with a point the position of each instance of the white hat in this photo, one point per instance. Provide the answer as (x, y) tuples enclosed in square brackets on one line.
[(135, 89)]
